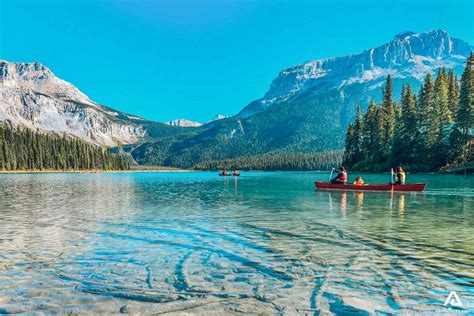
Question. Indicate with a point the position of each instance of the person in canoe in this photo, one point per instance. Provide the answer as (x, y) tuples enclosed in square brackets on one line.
[(400, 176), (224, 172), (358, 181), (341, 177)]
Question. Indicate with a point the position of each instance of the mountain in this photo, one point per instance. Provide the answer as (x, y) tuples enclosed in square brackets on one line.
[(32, 96), (308, 107), (358, 77), (183, 123)]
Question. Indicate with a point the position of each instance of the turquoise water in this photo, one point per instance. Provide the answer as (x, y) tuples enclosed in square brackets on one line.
[(263, 243)]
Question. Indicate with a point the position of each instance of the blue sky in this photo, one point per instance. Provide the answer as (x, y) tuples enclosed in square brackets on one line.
[(166, 59)]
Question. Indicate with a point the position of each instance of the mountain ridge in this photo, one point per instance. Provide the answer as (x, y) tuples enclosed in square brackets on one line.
[(369, 65), (306, 108), (33, 97)]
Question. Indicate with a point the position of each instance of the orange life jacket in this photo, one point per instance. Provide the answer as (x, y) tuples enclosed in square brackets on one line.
[(359, 182)]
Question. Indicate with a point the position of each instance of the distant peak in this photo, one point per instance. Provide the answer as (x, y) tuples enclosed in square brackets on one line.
[(404, 34), (181, 122), (217, 118)]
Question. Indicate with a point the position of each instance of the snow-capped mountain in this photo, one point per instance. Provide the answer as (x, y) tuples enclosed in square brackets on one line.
[(183, 123), (32, 96), (306, 109), (408, 58), (308, 106)]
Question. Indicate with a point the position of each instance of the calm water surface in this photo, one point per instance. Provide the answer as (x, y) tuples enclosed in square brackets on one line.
[(264, 243)]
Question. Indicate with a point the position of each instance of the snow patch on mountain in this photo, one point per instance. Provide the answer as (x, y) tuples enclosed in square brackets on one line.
[(217, 118), (183, 123)]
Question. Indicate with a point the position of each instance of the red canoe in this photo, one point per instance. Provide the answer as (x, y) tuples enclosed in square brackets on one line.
[(415, 187)]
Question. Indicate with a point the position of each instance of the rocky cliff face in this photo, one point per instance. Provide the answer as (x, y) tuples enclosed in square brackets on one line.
[(407, 58), (33, 97)]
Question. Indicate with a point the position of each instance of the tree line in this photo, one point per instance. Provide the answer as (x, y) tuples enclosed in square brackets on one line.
[(24, 149), (272, 162), (423, 132)]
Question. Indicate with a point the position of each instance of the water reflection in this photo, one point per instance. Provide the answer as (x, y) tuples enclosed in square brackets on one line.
[(401, 206), (187, 241), (360, 198), (343, 204)]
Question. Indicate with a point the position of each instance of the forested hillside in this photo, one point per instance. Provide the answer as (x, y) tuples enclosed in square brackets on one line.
[(423, 132), (309, 106), (299, 127), (289, 161), (24, 149)]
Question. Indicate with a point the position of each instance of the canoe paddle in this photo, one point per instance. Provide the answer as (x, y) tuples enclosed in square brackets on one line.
[(392, 179), (330, 176)]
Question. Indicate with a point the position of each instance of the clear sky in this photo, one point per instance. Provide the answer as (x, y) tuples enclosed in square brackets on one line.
[(166, 59)]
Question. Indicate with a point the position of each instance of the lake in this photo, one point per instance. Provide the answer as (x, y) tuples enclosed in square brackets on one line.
[(263, 243)]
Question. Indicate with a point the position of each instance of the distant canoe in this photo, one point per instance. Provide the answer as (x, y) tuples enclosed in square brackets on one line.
[(229, 174), (415, 187)]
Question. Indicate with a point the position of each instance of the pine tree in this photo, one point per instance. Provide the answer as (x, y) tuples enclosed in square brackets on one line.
[(370, 131), (439, 118), (427, 115), (441, 98), (405, 136), (410, 125), (358, 136), (426, 101), (349, 147), (453, 93), (465, 113), (387, 117)]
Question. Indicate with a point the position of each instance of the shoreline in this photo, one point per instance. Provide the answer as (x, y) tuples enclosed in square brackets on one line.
[(157, 170), (93, 171)]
